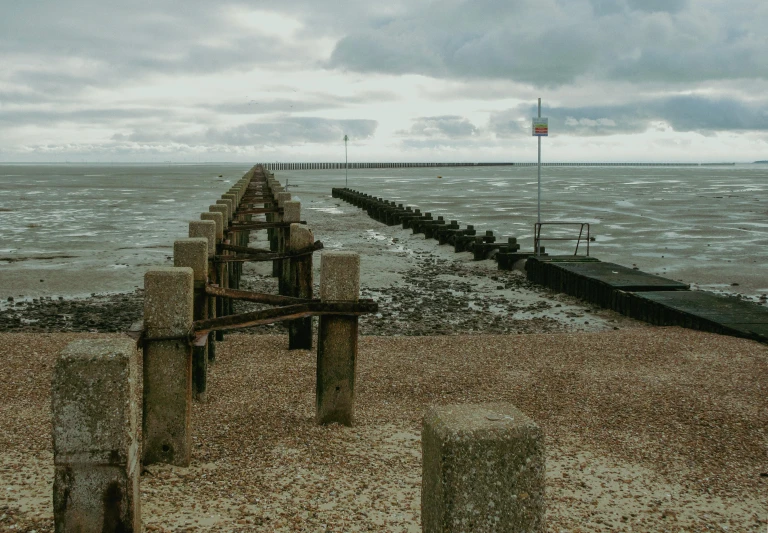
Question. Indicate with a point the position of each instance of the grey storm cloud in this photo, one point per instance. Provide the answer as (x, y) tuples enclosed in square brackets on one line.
[(687, 113), (450, 126), (109, 42), (285, 131), (554, 42), (307, 102), (96, 115)]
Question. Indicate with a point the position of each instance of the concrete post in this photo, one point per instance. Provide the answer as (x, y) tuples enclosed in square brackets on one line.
[(236, 268), (299, 285), (193, 253), (228, 212), (207, 230), (95, 437), (222, 269), (337, 340), (291, 214), (215, 305), (233, 239), (168, 307), (483, 470), (278, 235)]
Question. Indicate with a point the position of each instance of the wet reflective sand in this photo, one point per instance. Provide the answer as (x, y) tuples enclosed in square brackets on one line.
[(90, 228)]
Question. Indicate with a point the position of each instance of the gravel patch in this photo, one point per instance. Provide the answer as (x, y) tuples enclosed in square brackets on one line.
[(652, 429)]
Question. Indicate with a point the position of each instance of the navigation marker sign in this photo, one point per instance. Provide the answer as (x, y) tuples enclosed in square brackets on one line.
[(540, 126)]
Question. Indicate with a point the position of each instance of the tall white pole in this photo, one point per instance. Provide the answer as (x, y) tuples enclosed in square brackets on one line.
[(346, 163), (538, 209)]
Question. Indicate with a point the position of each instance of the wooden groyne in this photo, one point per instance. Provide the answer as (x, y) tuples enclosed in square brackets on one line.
[(631, 292)]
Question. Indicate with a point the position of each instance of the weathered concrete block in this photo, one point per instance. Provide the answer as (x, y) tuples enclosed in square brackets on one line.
[(339, 276), (301, 237), (168, 301), (282, 197), (228, 205), (95, 437), (218, 219), (483, 470), (224, 210), (291, 211), (205, 229), (168, 308), (337, 340), (298, 272), (232, 197), (192, 253)]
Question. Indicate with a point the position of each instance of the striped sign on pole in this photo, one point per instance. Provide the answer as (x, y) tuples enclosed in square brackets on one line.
[(540, 126)]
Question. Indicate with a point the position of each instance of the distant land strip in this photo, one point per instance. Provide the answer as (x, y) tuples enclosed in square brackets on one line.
[(359, 165)]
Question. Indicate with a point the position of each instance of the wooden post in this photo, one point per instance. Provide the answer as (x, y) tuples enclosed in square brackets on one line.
[(299, 284), (193, 253), (95, 437), (337, 340), (168, 307)]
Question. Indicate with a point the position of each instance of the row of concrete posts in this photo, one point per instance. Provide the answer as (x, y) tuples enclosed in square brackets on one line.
[(483, 466), (97, 455)]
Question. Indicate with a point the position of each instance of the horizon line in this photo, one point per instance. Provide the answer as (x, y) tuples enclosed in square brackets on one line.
[(391, 164)]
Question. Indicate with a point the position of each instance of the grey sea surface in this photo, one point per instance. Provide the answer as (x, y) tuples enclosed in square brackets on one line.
[(85, 229), (74, 230), (706, 226)]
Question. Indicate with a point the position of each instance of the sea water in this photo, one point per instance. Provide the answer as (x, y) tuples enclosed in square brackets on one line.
[(88, 228)]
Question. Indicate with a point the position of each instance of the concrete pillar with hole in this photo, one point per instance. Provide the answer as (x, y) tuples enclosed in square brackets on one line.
[(95, 437), (167, 401)]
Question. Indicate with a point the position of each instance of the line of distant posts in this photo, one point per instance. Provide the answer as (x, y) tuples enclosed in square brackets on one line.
[(360, 165)]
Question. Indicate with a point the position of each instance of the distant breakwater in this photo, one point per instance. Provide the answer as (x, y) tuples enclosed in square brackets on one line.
[(359, 165)]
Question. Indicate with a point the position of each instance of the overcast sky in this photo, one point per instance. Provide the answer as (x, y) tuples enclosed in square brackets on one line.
[(415, 80)]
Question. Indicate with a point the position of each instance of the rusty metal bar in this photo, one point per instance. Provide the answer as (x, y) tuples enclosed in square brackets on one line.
[(318, 245), (259, 211), (271, 299), (270, 256), (243, 249), (260, 225), (537, 238), (290, 312)]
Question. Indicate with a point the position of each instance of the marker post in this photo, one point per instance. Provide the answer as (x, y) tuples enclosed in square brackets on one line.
[(539, 128), (346, 163)]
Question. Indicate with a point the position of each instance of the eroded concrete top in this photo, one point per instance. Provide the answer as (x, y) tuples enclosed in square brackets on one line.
[(478, 420), (339, 276)]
